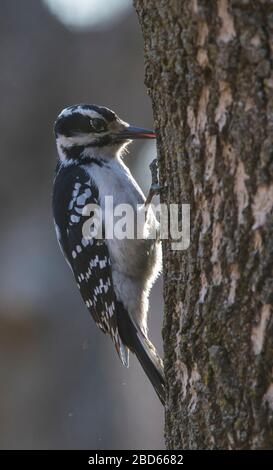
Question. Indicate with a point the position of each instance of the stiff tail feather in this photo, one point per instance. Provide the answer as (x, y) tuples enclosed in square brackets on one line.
[(145, 351)]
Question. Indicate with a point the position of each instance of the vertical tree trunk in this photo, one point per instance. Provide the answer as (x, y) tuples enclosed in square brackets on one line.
[(209, 74)]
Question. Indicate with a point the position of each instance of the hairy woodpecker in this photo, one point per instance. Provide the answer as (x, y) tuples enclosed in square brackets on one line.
[(114, 276)]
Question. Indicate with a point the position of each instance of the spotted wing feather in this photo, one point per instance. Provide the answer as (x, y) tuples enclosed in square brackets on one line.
[(88, 257)]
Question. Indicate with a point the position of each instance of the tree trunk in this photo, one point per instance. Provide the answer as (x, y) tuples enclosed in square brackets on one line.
[(209, 74)]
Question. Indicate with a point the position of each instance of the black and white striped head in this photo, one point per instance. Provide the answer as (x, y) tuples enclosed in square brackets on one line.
[(89, 130)]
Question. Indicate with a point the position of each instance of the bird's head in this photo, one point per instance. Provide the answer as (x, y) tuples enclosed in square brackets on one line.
[(89, 130)]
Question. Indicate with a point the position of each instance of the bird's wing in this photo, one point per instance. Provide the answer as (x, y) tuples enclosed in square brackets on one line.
[(88, 258)]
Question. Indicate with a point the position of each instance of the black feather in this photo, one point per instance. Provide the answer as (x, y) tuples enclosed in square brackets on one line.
[(144, 350)]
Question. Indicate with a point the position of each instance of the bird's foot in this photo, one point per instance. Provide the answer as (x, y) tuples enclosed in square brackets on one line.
[(155, 187)]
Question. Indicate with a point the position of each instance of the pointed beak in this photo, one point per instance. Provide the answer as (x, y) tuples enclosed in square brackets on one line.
[(131, 132)]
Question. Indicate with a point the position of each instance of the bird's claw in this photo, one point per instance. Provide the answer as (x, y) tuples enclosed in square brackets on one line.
[(155, 187)]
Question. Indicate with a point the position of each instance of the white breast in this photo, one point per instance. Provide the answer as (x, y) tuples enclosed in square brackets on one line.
[(115, 179), (135, 263)]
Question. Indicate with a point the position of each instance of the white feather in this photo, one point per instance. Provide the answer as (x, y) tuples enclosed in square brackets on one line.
[(135, 263)]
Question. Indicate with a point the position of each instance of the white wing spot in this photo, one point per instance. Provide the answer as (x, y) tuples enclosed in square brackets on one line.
[(87, 193), (74, 218), (85, 242), (82, 198)]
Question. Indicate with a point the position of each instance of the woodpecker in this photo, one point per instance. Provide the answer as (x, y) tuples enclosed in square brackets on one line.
[(114, 276)]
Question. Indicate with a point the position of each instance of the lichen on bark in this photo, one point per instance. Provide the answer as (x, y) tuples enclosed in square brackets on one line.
[(209, 75)]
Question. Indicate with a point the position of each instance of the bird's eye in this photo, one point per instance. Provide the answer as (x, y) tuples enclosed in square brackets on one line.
[(98, 125)]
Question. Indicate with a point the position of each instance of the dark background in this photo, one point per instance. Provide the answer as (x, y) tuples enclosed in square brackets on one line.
[(61, 384)]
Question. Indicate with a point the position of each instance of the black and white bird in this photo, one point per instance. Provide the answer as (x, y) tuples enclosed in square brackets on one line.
[(114, 276)]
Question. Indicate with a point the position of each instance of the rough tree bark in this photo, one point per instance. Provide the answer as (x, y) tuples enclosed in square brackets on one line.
[(209, 74)]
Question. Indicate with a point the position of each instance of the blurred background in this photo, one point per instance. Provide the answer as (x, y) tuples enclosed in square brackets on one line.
[(61, 384)]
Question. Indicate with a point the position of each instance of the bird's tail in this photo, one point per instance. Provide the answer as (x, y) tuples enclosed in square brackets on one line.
[(145, 351)]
